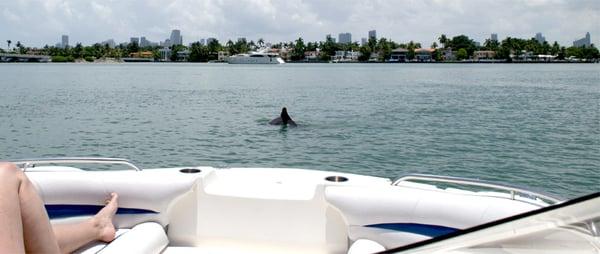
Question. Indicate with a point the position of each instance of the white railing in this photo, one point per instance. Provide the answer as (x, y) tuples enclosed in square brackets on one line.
[(30, 163), (511, 189)]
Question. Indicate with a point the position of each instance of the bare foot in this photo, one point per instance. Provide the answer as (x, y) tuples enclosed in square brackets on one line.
[(103, 219)]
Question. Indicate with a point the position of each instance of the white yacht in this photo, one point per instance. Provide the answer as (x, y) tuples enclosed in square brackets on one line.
[(281, 210), (255, 58)]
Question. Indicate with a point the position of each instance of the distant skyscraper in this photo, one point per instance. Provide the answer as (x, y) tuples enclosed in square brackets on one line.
[(176, 38), (144, 42), (345, 38), (64, 41), (135, 40), (110, 42), (494, 37), (363, 41), (373, 34), (585, 41), (540, 38)]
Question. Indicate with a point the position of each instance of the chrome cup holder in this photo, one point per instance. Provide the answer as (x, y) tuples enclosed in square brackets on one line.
[(337, 179), (190, 170)]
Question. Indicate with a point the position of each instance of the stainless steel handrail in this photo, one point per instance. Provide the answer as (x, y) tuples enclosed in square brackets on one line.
[(28, 163), (513, 190)]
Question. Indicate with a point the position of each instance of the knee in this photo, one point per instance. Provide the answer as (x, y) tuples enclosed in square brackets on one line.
[(10, 171)]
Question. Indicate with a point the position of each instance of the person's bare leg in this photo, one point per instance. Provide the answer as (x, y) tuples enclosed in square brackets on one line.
[(36, 232), (11, 227), (100, 227)]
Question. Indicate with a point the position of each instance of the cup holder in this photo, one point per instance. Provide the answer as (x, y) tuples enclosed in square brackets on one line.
[(336, 179), (190, 170)]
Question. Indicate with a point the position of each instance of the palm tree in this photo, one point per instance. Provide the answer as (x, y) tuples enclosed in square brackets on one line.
[(261, 42), (443, 40), (8, 42)]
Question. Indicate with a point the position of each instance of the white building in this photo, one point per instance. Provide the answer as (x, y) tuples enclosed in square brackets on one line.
[(585, 41), (345, 38)]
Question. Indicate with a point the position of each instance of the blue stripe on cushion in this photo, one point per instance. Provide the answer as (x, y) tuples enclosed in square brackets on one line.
[(64, 211), (415, 228)]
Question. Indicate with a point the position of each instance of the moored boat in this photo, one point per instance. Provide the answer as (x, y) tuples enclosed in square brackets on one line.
[(255, 58)]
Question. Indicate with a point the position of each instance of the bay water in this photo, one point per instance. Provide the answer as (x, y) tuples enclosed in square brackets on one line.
[(536, 125)]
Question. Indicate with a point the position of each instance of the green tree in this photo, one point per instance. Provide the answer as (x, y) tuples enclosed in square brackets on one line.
[(443, 40), (328, 49), (133, 47), (21, 48), (461, 54), (175, 49), (78, 51), (365, 53), (299, 49), (198, 52), (261, 42), (464, 42)]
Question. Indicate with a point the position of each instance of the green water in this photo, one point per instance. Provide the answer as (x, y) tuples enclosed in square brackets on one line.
[(534, 125)]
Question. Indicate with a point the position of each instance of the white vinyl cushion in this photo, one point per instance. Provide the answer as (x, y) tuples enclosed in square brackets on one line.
[(145, 238), (96, 246), (365, 246)]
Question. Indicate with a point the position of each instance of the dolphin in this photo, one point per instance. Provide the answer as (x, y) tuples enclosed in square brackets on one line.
[(283, 119)]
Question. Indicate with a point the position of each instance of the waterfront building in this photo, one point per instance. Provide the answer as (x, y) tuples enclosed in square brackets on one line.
[(373, 34), (345, 38), (135, 40), (183, 56), (494, 37), (165, 54), (484, 54), (311, 55), (540, 38), (424, 54), (585, 41), (399, 55), (64, 41), (143, 54), (449, 54)]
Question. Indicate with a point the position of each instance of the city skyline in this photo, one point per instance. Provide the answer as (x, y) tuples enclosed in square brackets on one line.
[(276, 21)]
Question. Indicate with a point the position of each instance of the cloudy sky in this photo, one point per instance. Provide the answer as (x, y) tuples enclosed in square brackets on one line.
[(40, 22)]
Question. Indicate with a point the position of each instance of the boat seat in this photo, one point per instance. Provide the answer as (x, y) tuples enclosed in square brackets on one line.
[(148, 237)]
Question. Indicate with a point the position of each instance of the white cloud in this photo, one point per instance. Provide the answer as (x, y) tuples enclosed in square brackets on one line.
[(285, 20)]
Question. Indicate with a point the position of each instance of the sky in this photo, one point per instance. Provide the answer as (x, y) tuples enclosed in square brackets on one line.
[(39, 22)]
